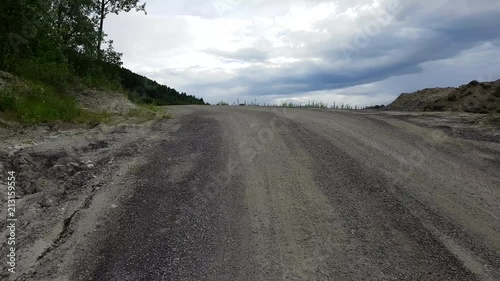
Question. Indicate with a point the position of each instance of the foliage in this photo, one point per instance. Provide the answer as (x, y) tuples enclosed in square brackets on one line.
[(144, 90)]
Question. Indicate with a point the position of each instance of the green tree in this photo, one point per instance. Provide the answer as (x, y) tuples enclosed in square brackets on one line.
[(113, 6), (74, 25), (18, 22)]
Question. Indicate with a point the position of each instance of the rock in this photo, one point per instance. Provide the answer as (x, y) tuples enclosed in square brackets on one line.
[(89, 164)]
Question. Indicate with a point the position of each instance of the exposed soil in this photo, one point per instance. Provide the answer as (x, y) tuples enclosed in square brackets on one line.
[(65, 175), (474, 97)]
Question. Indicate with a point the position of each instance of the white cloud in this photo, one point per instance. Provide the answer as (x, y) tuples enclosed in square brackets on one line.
[(274, 50)]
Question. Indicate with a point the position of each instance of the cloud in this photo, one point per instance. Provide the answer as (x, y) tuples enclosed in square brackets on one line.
[(274, 50)]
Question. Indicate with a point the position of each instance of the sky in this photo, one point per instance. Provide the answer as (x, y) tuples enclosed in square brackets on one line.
[(362, 52)]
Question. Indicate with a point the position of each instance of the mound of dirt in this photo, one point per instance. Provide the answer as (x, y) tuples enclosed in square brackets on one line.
[(100, 101), (474, 97)]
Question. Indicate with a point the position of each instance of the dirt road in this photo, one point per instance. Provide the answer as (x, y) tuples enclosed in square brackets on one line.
[(248, 193)]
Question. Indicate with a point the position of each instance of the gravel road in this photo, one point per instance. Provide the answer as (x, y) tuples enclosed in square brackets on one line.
[(249, 193)]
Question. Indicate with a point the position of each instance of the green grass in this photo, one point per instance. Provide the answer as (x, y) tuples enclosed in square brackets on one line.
[(34, 102)]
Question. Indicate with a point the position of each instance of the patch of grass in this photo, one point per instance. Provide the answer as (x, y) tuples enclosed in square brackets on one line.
[(32, 103), (146, 112)]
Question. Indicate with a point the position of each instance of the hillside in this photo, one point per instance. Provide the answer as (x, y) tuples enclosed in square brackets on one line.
[(474, 97), (148, 91)]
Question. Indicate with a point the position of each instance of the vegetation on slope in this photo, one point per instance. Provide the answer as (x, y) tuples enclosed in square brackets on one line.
[(145, 90), (54, 46)]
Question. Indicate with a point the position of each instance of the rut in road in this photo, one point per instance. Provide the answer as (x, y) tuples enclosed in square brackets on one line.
[(253, 195)]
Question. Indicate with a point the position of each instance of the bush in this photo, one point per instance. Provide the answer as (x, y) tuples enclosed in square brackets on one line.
[(452, 97), (52, 73), (102, 83)]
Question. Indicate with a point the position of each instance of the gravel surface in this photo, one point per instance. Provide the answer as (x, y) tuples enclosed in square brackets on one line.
[(248, 193)]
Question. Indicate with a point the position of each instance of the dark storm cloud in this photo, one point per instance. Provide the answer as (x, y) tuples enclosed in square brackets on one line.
[(387, 54)]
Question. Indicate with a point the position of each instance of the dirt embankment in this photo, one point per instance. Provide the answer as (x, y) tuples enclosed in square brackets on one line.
[(474, 97), (68, 175), (108, 102), (66, 178)]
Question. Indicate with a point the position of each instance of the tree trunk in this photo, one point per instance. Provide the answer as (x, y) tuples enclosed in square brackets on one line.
[(59, 16), (101, 25)]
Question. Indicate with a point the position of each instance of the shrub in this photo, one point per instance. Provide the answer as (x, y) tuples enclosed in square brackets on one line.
[(52, 73)]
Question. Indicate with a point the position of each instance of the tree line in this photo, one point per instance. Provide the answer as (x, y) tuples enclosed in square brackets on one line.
[(57, 40), (145, 90)]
